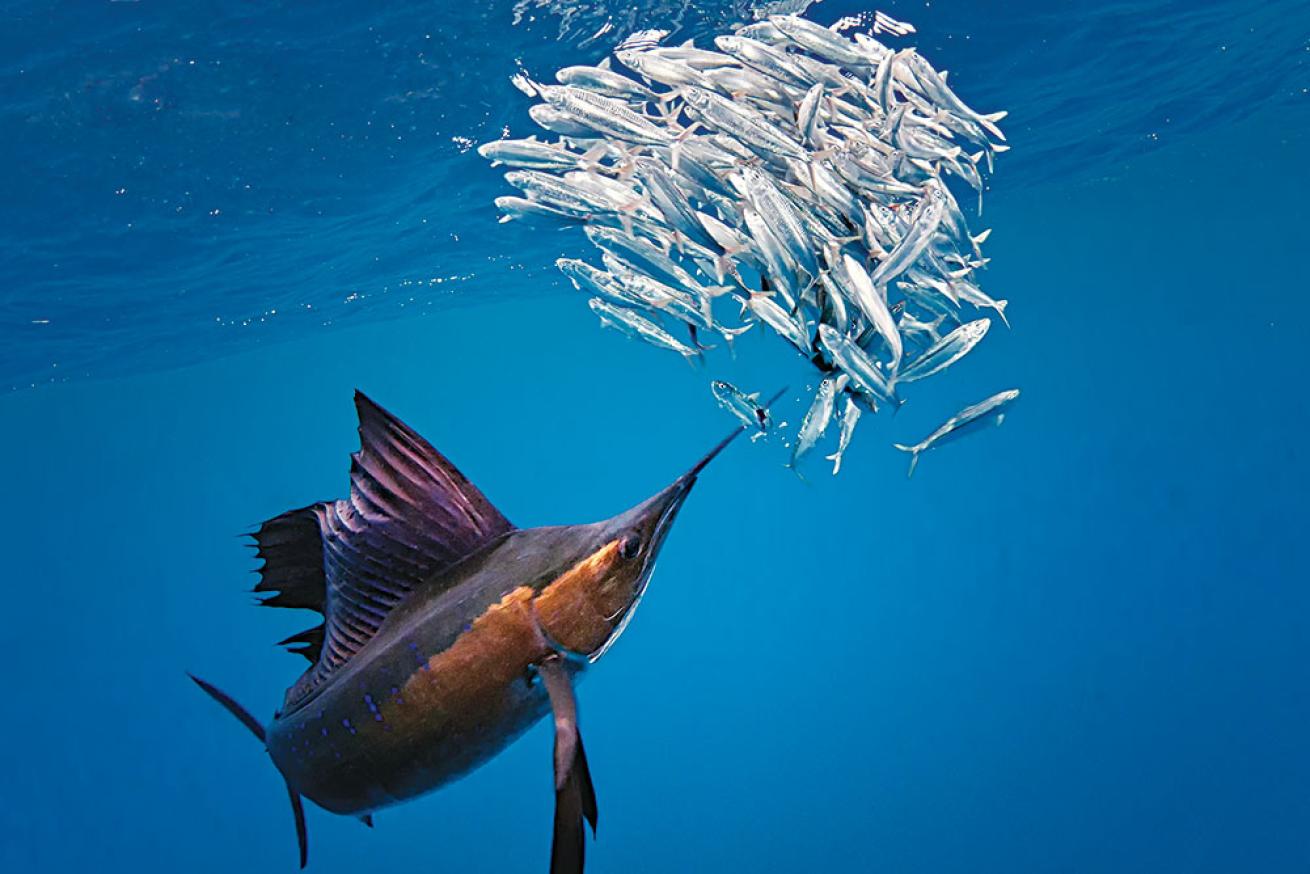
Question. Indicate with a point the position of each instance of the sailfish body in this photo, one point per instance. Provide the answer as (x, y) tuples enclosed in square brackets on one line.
[(447, 631)]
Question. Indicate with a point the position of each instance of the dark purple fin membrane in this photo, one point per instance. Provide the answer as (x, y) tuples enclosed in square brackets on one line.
[(367, 819), (291, 547), (575, 796), (410, 515), (308, 643)]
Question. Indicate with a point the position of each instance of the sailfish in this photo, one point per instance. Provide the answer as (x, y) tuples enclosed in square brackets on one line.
[(447, 632)]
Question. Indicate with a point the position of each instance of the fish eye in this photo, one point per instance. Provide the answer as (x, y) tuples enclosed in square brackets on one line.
[(630, 545)]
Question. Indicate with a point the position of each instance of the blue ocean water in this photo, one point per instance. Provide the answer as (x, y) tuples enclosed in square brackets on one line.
[(1076, 643)]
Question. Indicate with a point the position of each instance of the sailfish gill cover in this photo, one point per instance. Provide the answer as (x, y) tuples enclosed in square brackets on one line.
[(1078, 643)]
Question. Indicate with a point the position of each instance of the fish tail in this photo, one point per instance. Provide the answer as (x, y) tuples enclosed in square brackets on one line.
[(793, 464), (590, 160), (724, 265), (675, 150), (526, 85), (695, 340), (914, 456), (731, 334), (835, 458), (627, 162), (246, 718)]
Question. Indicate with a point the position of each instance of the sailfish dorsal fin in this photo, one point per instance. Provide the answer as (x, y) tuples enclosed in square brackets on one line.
[(410, 514)]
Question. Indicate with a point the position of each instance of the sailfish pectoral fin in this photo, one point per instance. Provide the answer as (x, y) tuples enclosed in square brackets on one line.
[(575, 797)]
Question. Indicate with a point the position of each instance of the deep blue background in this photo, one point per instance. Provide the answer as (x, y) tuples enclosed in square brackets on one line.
[(1077, 643)]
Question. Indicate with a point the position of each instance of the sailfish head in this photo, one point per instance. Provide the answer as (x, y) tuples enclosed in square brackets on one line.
[(416, 528), (586, 608)]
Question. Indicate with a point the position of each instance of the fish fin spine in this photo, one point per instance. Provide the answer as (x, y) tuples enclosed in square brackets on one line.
[(245, 717)]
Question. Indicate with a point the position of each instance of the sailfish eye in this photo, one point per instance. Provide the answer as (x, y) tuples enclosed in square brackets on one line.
[(630, 545)]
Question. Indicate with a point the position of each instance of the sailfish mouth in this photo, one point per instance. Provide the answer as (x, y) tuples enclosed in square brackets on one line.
[(654, 518)]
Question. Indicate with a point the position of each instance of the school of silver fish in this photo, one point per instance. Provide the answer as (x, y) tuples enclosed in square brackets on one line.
[(804, 174)]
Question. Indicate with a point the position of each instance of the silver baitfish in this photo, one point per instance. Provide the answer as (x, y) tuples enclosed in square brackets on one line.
[(591, 280), (866, 376), (661, 69), (946, 351), (605, 82), (671, 202), (927, 218), (658, 295), (636, 325), (559, 193), (762, 192), (604, 115), (850, 417), (772, 62), (559, 122), (520, 207), (531, 154), (650, 257), (968, 420), (744, 125), (746, 407), (781, 271), (818, 415), (873, 305), (764, 308), (697, 59), (820, 41), (936, 89)]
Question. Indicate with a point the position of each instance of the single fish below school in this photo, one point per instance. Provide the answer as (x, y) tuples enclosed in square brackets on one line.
[(972, 418)]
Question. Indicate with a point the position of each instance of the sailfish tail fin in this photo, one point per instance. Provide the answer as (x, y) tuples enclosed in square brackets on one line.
[(246, 718)]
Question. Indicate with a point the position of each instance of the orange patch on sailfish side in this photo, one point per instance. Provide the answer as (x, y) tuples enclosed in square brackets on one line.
[(468, 681), (469, 678), (568, 608)]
